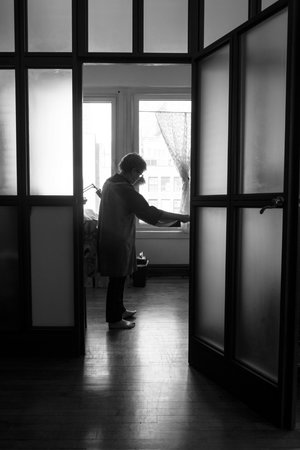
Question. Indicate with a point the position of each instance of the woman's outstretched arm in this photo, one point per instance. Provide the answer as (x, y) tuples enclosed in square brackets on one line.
[(168, 216)]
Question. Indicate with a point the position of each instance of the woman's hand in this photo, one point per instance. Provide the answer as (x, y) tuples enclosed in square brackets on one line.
[(168, 216), (184, 218)]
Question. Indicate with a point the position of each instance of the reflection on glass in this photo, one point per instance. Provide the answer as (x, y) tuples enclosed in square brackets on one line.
[(213, 126), (8, 162), (263, 98), (210, 275), (50, 25), (266, 3), (222, 16), (50, 132), (9, 270), (7, 32), (166, 26), (258, 305), (52, 279), (110, 25)]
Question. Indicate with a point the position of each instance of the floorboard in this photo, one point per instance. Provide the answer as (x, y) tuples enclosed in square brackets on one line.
[(132, 390)]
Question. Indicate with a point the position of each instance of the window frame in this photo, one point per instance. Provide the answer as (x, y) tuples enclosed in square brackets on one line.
[(112, 99), (158, 94)]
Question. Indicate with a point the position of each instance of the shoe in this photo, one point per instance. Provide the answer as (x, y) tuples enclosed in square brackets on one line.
[(127, 314), (121, 325)]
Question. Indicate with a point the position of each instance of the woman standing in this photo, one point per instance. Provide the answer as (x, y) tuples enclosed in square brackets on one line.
[(120, 205)]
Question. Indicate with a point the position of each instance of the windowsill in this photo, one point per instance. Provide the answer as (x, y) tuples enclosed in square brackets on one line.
[(162, 234)]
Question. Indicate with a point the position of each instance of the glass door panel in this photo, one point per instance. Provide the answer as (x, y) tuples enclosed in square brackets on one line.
[(49, 25), (50, 131), (210, 276), (8, 156), (263, 98), (259, 290), (7, 29), (213, 124), (9, 269), (52, 274), (257, 299)]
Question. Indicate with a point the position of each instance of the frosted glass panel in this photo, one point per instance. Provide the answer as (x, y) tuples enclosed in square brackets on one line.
[(110, 25), (52, 266), (166, 26), (7, 32), (263, 106), (50, 25), (8, 161), (213, 124), (222, 16), (266, 3), (210, 275), (50, 132), (9, 270), (258, 305)]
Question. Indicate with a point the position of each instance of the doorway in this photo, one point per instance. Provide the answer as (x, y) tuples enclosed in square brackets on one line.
[(120, 107)]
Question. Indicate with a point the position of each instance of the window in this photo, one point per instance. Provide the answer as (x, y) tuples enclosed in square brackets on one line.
[(166, 204), (152, 184), (153, 202), (164, 143), (166, 184), (177, 184), (176, 206), (97, 148)]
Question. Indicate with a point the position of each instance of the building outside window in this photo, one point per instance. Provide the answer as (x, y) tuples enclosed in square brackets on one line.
[(152, 184), (177, 184), (176, 206), (164, 143), (166, 184)]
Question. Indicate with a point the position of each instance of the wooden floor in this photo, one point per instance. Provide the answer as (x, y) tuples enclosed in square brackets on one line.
[(132, 390)]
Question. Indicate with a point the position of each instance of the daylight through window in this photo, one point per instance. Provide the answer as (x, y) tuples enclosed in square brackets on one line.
[(164, 142)]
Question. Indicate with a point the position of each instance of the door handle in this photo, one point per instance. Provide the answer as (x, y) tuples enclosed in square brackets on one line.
[(276, 202)]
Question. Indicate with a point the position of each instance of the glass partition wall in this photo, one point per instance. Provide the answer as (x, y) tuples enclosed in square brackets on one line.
[(40, 256), (43, 46)]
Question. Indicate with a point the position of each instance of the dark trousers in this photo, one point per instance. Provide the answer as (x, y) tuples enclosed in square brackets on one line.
[(114, 299)]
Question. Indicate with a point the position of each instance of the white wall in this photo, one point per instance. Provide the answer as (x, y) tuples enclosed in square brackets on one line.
[(99, 76), (168, 249), (118, 79)]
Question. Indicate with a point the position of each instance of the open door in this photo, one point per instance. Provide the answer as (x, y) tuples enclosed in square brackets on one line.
[(244, 206)]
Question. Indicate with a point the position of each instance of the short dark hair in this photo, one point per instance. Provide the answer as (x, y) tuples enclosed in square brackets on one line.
[(132, 161)]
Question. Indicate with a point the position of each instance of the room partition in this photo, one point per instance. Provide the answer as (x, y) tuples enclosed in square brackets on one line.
[(245, 176)]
